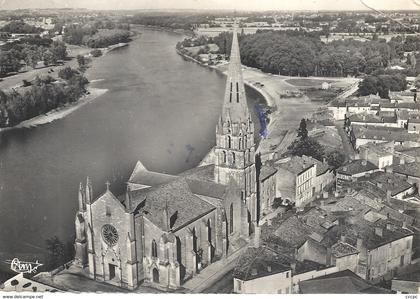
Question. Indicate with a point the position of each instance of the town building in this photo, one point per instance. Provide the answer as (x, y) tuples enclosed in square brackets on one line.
[(353, 170), (299, 179), (408, 283), (165, 229)]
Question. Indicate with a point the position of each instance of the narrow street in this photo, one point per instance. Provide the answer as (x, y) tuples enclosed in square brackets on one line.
[(347, 146)]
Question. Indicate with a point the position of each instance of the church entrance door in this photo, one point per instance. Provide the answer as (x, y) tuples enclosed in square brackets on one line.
[(111, 271), (155, 275)]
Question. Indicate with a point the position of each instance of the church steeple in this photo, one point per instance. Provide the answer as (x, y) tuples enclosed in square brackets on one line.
[(235, 108), (235, 147)]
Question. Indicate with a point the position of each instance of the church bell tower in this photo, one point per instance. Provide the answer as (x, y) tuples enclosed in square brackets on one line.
[(235, 146)]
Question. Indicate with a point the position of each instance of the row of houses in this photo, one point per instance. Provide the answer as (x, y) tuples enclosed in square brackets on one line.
[(354, 235)]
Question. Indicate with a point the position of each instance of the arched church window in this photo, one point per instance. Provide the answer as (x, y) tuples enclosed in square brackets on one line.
[(233, 158), (230, 96), (237, 92), (229, 142), (224, 157), (154, 249), (240, 143)]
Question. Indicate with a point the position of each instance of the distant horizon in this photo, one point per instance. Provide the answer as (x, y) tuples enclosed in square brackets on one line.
[(216, 5)]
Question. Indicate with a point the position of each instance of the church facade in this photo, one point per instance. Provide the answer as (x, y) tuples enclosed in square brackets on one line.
[(165, 229)]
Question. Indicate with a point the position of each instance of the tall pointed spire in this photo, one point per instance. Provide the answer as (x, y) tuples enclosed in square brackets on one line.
[(235, 104)]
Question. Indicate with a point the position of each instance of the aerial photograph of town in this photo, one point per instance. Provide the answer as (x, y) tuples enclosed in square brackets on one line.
[(209, 147)]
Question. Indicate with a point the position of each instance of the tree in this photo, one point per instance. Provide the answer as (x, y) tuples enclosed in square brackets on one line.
[(56, 252), (67, 73), (308, 147), (302, 131), (335, 159), (59, 50)]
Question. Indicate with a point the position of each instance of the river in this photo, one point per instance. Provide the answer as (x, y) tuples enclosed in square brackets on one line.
[(160, 109)]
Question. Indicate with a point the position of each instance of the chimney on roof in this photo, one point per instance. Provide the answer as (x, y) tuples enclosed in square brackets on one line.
[(343, 238), (328, 257), (325, 194), (388, 195), (345, 168), (293, 266), (348, 190), (390, 226), (379, 184), (404, 224), (389, 169), (254, 271), (336, 194), (359, 243), (379, 231), (268, 268), (402, 161)]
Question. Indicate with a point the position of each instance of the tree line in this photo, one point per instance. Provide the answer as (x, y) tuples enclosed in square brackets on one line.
[(300, 54), (40, 96), (30, 51), (94, 36)]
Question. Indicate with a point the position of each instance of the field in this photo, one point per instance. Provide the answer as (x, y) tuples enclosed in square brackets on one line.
[(305, 82), (316, 94)]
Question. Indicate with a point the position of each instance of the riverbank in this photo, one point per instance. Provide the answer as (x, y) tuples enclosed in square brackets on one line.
[(59, 113), (285, 112)]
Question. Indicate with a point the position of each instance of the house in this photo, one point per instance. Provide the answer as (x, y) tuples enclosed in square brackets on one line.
[(343, 282), (398, 187), (408, 283), (381, 155), (353, 170), (300, 178), (360, 135), (409, 171), (263, 270)]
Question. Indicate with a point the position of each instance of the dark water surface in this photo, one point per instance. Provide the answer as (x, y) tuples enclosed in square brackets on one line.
[(159, 109)]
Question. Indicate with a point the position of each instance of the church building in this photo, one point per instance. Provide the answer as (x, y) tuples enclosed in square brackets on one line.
[(167, 228)]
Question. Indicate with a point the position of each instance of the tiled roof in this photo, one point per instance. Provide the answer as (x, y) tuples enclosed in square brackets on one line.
[(356, 166), (411, 169), (205, 173), (380, 149), (384, 133), (388, 181), (343, 282), (259, 262), (207, 188), (293, 232), (342, 249), (177, 197), (143, 176), (370, 118), (297, 165), (266, 172)]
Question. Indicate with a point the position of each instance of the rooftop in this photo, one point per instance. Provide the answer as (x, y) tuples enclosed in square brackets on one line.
[(341, 249), (259, 262), (343, 282), (175, 196), (297, 165), (384, 133), (356, 166), (388, 181), (410, 169)]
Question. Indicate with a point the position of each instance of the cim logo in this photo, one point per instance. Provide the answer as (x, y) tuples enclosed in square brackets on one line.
[(23, 267)]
